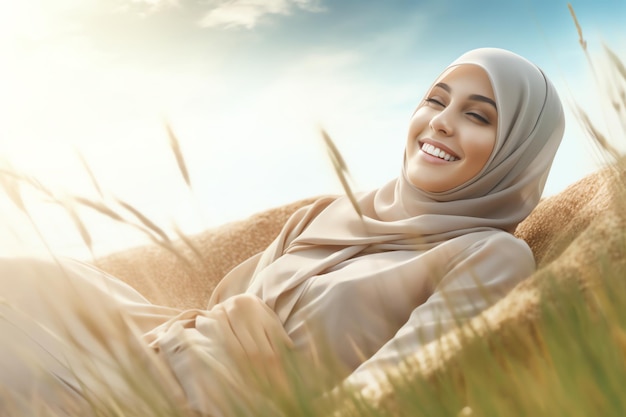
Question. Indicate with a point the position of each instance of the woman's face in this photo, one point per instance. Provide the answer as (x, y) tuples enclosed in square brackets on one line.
[(453, 132)]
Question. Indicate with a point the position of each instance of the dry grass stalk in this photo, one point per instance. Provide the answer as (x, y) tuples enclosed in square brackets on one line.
[(581, 38), (78, 223), (341, 169), (594, 133), (180, 160), (92, 177), (614, 88), (150, 225)]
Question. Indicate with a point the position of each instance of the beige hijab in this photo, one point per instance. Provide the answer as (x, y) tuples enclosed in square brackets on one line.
[(401, 217)]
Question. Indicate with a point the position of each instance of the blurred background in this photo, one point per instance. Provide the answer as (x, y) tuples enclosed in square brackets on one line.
[(245, 86)]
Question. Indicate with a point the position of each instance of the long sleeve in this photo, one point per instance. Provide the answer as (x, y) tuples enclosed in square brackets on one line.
[(486, 272)]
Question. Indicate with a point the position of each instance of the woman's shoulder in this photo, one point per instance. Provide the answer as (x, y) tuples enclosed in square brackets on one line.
[(505, 239), (495, 243), (493, 256), (493, 237), (506, 249)]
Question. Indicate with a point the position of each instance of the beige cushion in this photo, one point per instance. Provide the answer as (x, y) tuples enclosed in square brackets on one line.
[(558, 220)]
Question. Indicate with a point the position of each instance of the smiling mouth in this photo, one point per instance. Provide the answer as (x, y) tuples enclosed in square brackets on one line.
[(438, 153)]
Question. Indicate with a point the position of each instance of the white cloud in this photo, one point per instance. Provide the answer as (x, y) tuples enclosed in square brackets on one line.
[(247, 13), (224, 13), (145, 7), (156, 3)]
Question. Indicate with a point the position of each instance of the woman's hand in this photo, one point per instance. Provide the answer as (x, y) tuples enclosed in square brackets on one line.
[(255, 336)]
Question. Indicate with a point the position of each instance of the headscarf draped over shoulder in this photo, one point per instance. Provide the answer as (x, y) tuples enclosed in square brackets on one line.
[(530, 128)]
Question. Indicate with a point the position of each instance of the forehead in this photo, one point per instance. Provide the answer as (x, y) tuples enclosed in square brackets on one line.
[(468, 78)]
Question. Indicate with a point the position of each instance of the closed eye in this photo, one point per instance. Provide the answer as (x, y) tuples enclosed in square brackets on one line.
[(479, 118), (434, 101)]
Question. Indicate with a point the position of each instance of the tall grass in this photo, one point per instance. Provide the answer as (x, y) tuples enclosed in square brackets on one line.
[(571, 362)]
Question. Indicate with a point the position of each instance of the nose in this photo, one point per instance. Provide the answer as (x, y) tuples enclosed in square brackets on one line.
[(442, 122)]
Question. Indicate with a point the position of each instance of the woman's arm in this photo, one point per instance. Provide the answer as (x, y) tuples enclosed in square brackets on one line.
[(488, 270)]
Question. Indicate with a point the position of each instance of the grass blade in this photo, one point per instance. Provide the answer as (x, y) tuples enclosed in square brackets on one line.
[(341, 169), (180, 160), (78, 223), (92, 177), (99, 207), (144, 220)]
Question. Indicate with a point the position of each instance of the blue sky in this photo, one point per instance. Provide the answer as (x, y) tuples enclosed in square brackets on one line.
[(245, 84)]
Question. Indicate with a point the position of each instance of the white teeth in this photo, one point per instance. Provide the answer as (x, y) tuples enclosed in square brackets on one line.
[(434, 151)]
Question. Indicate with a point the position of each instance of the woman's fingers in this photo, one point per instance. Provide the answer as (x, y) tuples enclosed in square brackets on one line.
[(230, 339), (254, 327), (274, 329), (256, 338)]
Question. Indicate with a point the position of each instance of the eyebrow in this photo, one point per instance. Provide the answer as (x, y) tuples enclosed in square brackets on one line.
[(475, 97)]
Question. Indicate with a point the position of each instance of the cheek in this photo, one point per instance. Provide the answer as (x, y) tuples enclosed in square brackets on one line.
[(481, 151), (416, 124)]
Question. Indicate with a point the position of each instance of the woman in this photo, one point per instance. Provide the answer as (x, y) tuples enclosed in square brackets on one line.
[(432, 248)]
